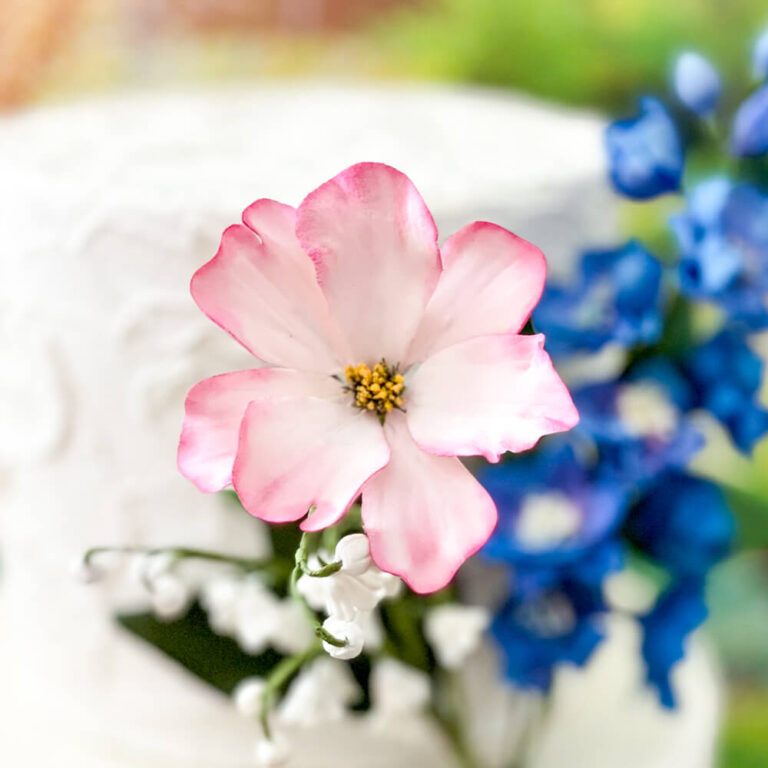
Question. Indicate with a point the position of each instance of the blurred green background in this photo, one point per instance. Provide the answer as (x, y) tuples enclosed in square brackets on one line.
[(594, 53)]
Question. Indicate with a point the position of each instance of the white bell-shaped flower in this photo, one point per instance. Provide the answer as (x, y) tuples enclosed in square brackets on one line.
[(322, 692), (454, 632), (273, 752), (248, 696), (170, 596), (354, 553), (398, 690), (348, 631), (258, 617)]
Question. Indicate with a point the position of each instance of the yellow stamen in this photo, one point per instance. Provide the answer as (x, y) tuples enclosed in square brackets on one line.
[(379, 389)]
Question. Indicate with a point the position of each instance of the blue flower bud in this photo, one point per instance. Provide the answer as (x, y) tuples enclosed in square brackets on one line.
[(749, 137), (696, 83), (760, 57), (645, 155)]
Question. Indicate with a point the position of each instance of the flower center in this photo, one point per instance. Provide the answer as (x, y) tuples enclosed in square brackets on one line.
[(378, 389), (549, 616), (547, 520), (646, 411)]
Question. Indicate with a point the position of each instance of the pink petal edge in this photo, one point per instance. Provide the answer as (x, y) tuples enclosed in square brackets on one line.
[(299, 452), (486, 396), (214, 409), (424, 515), (374, 243), (265, 294), (491, 281)]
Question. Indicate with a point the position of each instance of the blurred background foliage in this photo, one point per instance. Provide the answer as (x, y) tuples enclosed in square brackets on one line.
[(595, 53), (587, 52)]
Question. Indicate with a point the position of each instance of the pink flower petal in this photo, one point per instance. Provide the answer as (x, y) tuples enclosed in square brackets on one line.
[(298, 452), (486, 396), (491, 282), (264, 292), (424, 515), (375, 246), (214, 409)]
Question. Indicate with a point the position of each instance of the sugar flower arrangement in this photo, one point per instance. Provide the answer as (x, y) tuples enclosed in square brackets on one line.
[(383, 363)]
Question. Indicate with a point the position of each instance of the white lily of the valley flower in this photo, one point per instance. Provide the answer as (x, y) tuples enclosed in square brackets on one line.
[(292, 632), (353, 592), (454, 632), (349, 631), (271, 753), (219, 598), (248, 696), (398, 690), (322, 692), (170, 596), (88, 571), (258, 616), (354, 553)]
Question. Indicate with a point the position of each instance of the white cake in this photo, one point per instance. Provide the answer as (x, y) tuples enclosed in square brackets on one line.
[(108, 207)]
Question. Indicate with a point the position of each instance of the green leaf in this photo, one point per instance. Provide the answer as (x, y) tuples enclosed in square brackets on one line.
[(751, 512), (190, 642)]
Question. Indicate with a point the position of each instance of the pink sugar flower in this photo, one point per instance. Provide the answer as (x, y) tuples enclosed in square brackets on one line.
[(385, 358)]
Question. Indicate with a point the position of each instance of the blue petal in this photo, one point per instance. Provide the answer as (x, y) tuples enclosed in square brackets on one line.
[(645, 155), (726, 376), (696, 83), (749, 136), (676, 614), (684, 523), (710, 268)]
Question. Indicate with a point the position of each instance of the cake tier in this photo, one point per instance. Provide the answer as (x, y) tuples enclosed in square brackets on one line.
[(108, 207)]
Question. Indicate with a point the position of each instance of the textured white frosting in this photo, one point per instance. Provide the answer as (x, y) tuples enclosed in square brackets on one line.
[(108, 206)]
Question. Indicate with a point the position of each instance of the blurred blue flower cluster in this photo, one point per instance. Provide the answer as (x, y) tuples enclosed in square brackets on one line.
[(618, 490)]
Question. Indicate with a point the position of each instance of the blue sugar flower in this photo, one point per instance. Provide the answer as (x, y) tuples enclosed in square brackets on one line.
[(723, 240), (644, 152), (639, 426), (676, 614), (551, 510), (684, 524), (554, 616), (696, 83), (749, 135), (726, 375), (616, 297), (760, 57)]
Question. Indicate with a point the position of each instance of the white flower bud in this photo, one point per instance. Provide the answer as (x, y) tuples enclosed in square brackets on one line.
[(398, 690), (170, 596), (321, 693), (354, 552), (343, 630), (293, 632), (454, 632), (145, 568), (258, 617), (272, 752), (248, 696), (87, 571), (219, 598)]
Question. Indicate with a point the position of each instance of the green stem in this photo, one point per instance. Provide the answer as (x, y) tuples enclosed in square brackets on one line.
[(301, 568), (279, 677), (449, 716), (180, 553)]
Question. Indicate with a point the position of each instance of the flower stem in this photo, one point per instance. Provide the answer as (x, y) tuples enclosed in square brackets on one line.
[(301, 568), (449, 716), (278, 678), (180, 553)]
